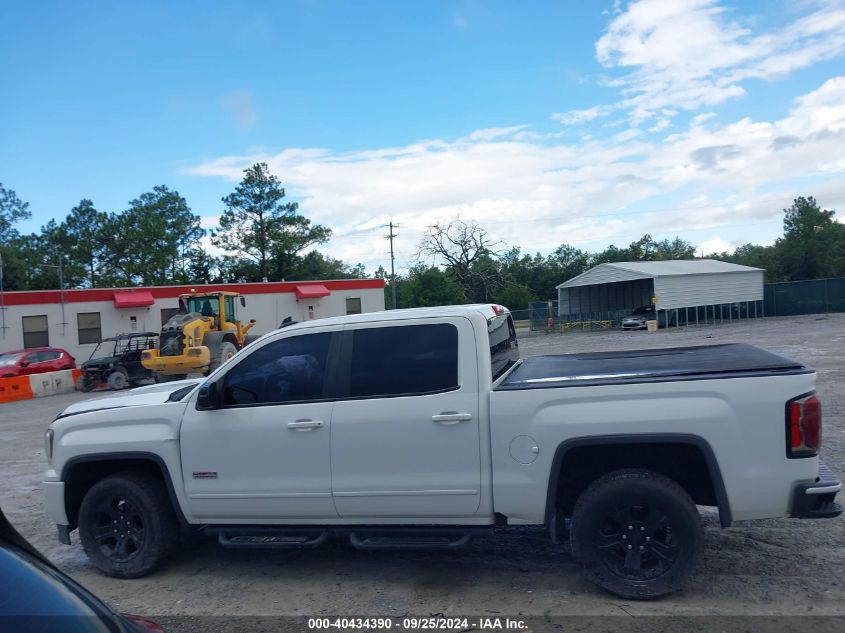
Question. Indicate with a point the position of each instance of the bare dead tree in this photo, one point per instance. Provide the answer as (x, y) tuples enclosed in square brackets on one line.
[(468, 253)]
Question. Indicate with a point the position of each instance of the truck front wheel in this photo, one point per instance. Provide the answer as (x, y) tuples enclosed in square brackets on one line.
[(127, 525), (636, 533), (227, 351)]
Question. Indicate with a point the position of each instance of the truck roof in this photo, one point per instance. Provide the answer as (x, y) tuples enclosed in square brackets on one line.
[(487, 310)]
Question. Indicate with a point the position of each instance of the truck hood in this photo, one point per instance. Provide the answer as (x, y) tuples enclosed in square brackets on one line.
[(152, 394)]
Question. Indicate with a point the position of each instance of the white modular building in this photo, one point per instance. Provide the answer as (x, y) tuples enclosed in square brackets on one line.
[(76, 320), (683, 287)]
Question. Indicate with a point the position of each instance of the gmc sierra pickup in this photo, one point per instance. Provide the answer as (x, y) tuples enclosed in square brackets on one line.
[(423, 428)]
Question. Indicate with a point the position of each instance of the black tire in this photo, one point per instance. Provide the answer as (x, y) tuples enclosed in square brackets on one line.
[(118, 380), (637, 534), (85, 383), (127, 525), (226, 351)]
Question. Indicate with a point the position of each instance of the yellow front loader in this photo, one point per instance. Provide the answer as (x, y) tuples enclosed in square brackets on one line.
[(200, 338)]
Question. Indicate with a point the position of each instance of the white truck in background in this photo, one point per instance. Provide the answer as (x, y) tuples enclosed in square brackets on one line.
[(423, 428)]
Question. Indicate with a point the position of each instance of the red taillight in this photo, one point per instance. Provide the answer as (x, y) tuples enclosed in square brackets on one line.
[(804, 426), (498, 310)]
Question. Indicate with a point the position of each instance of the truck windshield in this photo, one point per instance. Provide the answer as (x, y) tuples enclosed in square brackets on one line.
[(100, 351), (206, 306), (504, 349)]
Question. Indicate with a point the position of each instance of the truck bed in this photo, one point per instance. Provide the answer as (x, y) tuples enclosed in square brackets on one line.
[(648, 365)]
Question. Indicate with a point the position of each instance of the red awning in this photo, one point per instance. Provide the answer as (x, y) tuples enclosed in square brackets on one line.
[(312, 291), (133, 299)]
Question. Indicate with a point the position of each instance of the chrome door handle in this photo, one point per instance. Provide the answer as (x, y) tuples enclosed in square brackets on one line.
[(305, 425), (451, 417)]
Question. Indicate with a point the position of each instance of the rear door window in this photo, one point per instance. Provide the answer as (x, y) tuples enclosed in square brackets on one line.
[(404, 360)]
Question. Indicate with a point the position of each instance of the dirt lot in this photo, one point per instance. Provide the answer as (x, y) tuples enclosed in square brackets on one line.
[(775, 567)]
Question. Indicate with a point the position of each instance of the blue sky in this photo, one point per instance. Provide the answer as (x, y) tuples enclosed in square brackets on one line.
[(546, 122)]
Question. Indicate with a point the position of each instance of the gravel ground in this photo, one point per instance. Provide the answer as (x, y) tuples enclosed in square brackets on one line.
[(772, 567)]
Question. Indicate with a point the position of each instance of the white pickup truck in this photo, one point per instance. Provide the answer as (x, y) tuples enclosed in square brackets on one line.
[(423, 428)]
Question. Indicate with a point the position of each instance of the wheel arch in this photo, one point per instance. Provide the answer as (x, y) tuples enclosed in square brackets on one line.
[(661, 444), (82, 472)]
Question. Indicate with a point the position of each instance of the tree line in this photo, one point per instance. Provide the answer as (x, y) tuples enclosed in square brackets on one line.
[(475, 268), (156, 240)]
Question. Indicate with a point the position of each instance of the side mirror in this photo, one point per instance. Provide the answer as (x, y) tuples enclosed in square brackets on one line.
[(208, 397), (24, 363), (243, 302)]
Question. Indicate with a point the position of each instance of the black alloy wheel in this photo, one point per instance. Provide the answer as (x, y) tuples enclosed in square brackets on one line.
[(636, 542), (636, 533), (119, 529), (127, 524)]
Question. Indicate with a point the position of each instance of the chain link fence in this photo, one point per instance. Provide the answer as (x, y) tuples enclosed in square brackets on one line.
[(815, 296)]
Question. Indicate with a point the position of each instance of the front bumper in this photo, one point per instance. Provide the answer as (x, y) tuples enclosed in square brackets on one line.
[(54, 503), (815, 500)]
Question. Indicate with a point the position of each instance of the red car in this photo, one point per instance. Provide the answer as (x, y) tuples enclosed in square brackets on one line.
[(36, 360)]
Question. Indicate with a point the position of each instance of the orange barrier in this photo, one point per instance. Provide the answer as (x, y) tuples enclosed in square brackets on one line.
[(38, 385), (16, 388)]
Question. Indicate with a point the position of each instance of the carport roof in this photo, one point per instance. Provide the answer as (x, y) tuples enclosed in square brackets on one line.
[(649, 270)]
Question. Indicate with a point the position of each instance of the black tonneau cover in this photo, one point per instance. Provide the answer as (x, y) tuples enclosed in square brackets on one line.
[(648, 365)]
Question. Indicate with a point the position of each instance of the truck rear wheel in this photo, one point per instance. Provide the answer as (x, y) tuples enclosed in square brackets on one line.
[(636, 533), (118, 379), (127, 525)]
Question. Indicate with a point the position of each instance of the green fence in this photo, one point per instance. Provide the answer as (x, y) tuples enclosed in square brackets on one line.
[(815, 296)]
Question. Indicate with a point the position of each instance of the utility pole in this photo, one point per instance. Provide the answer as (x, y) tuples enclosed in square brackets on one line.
[(390, 236)]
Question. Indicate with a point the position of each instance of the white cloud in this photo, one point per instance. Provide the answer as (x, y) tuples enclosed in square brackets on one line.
[(540, 192), (715, 245), (492, 133), (573, 117), (688, 54)]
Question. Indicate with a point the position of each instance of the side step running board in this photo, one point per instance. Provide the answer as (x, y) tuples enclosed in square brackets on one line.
[(410, 540), (272, 541)]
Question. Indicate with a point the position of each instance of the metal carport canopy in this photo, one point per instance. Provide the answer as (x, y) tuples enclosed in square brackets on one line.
[(681, 283)]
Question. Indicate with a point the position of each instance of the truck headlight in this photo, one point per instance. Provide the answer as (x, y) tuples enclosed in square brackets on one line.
[(48, 444)]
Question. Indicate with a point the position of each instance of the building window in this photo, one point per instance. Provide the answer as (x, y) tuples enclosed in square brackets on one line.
[(35, 331), (88, 324), (167, 314), (353, 305)]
